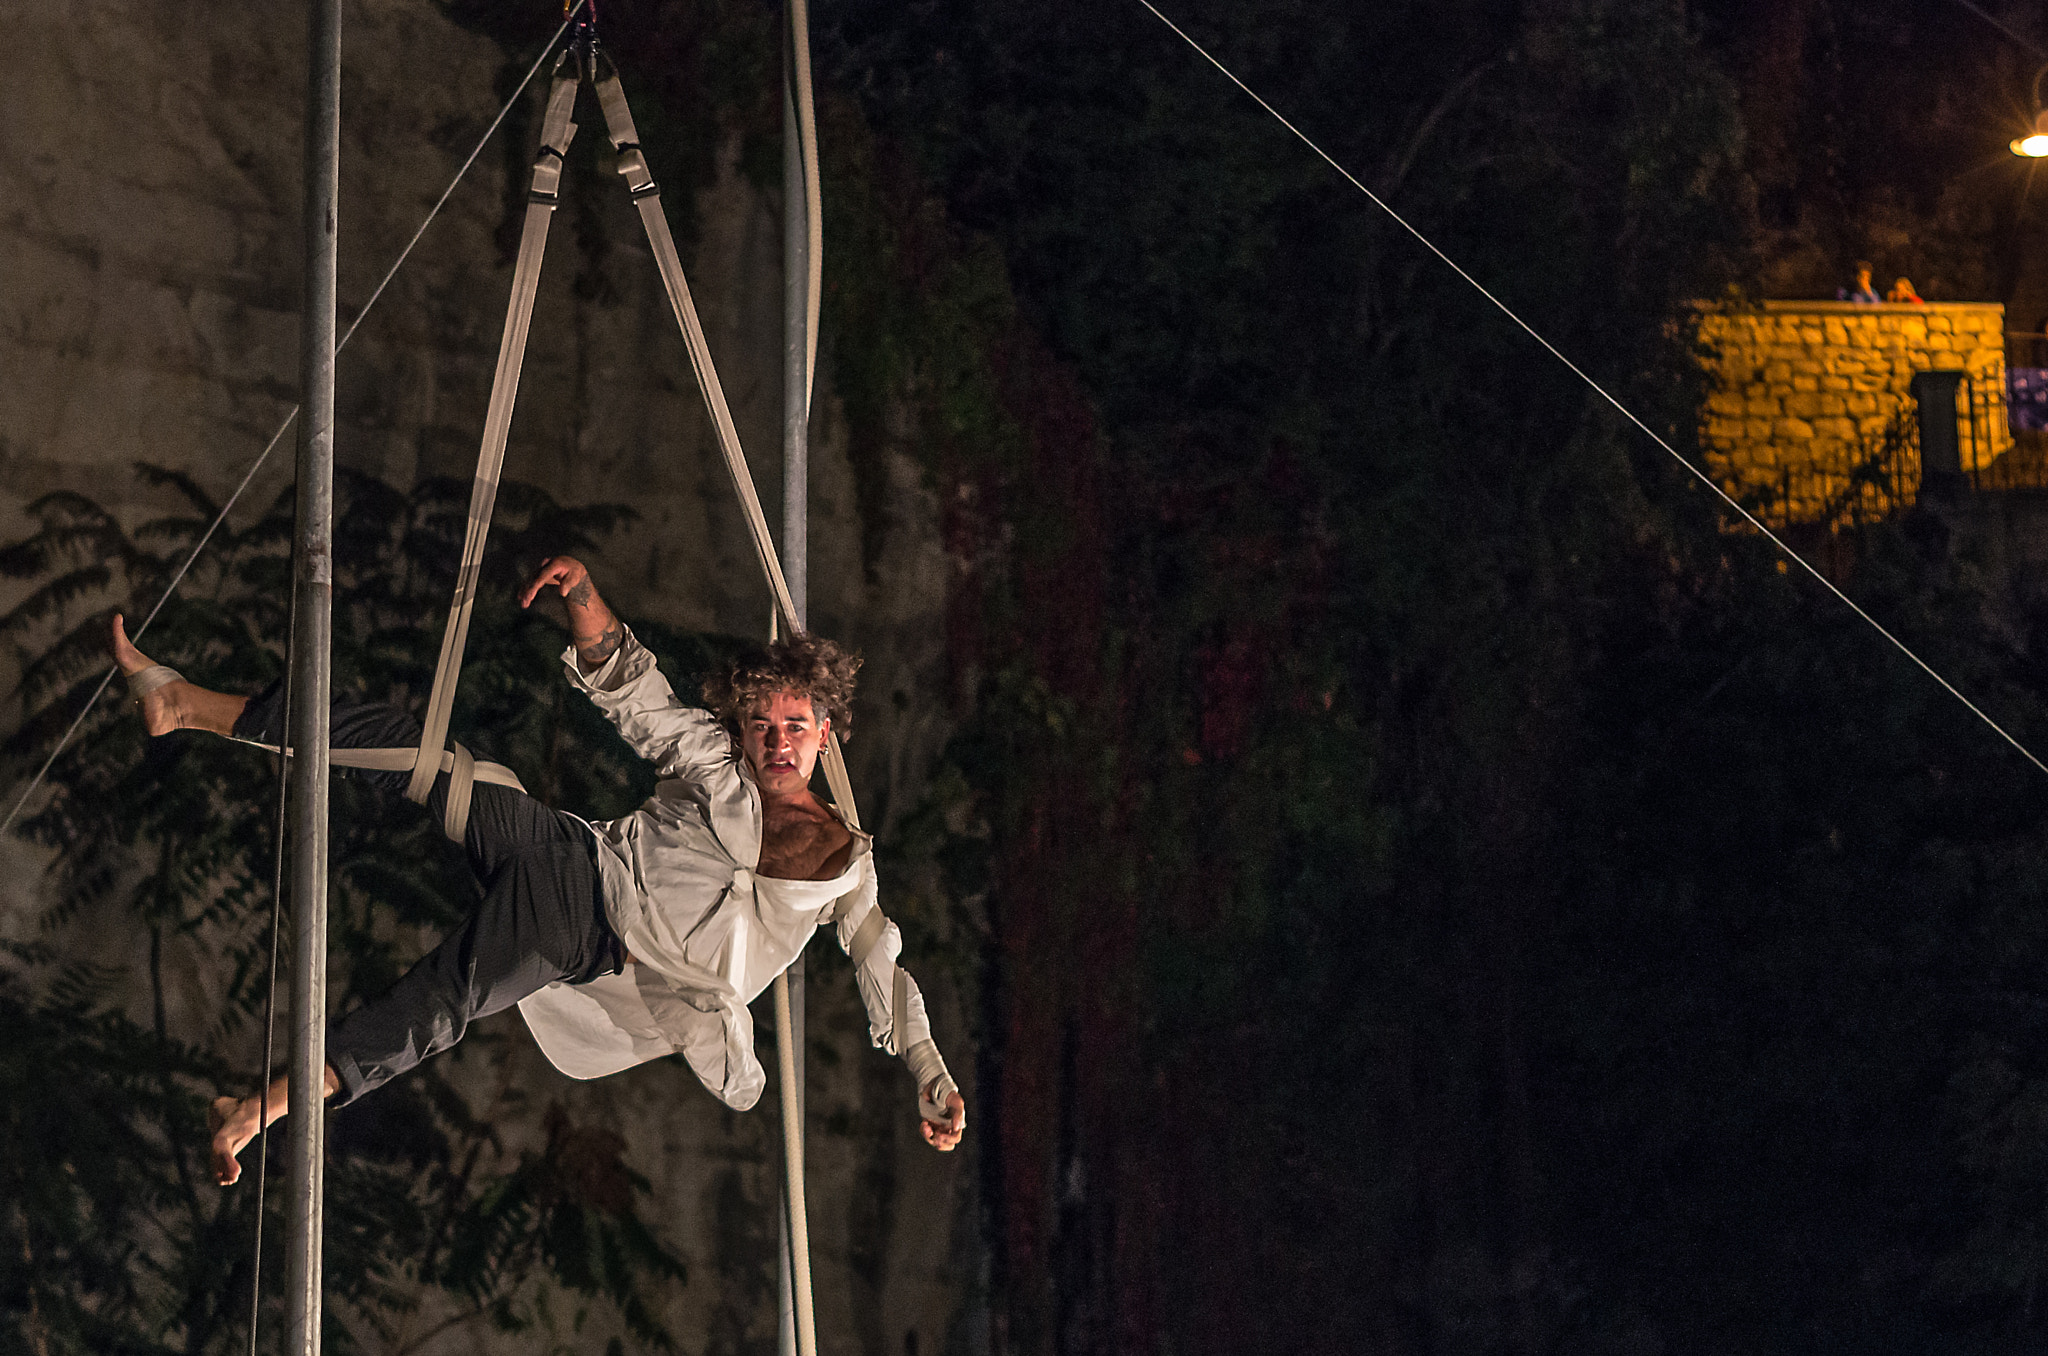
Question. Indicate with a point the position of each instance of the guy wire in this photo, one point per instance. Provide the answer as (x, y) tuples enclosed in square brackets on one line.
[(270, 993)]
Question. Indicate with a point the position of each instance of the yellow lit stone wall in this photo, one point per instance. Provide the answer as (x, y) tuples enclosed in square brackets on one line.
[(1803, 391)]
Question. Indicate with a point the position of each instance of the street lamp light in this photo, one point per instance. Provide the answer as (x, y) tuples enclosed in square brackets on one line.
[(2034, 145)]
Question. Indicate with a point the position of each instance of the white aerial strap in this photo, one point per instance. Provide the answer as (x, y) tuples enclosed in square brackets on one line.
[(647, 197), (429, 759), (463, 767)]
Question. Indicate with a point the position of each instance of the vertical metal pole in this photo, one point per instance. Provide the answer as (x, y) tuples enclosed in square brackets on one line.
[(796, 418), (313, 588)]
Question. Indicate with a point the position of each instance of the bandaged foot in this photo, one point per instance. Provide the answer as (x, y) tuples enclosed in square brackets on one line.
[(168, 701)]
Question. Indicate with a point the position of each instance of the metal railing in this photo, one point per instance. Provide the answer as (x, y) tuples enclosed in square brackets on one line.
[(1852, 485), (1855, 484), (2024, 465)]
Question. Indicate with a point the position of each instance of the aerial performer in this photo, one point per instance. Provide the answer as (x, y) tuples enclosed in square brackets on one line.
[(623, 941)]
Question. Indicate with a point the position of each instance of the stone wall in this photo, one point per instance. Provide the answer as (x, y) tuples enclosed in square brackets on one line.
[(148, 288), (1804, 390)]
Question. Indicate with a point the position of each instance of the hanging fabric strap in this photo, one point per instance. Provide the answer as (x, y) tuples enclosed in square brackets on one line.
[(798, 22), (647, 198), (464, 768), (430, 759)]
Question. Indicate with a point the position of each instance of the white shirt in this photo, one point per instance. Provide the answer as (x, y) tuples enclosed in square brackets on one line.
[(707, 936)]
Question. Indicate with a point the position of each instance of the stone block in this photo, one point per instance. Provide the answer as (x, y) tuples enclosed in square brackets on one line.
[(1761, 405), (1812, 336), (1802, 387), (1793, 430), (1942, 324), (1935, 343), (1859, 403), (1778, 373), (1912, 328), (1837, 333), (1831, 403), (1757, 430)]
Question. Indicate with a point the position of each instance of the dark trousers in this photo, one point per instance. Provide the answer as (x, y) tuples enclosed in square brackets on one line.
[(541, 919)]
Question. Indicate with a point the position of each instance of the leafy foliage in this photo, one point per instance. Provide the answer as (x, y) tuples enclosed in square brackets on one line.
[(115, 1239), (1444, 894)]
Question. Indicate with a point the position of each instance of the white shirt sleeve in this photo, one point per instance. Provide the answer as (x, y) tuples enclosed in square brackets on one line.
[(907, 1033), (681, 741)]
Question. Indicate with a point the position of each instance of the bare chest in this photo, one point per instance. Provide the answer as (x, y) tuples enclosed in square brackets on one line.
[(802, 843)]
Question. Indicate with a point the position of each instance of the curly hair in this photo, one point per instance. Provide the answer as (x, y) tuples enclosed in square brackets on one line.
[(810, 666)]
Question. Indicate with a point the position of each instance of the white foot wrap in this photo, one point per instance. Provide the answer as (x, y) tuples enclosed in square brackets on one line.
[(142, 682)]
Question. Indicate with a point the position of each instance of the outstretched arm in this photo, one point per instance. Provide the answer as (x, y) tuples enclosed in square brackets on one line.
[(620, 677), (593, 630), (897, 1020)]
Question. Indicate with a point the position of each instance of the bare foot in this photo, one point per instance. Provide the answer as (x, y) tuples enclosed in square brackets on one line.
[(160, 708), (233, 1123), (179, 705)]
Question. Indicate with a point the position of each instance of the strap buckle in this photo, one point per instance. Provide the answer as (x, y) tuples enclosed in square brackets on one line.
[(583, 39)]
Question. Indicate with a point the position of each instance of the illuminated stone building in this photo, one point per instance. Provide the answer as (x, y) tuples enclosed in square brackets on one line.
[(1813, 412)]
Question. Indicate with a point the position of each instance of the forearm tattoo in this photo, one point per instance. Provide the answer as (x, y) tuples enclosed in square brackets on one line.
[(580, 594), (604, 647)]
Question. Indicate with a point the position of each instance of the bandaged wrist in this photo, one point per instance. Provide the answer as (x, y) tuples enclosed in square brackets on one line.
[(929, 1069)]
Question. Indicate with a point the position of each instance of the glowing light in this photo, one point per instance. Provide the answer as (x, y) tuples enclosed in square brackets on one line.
[(2034, 145)]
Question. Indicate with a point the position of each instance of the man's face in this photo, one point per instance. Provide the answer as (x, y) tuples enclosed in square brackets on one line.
[(781, 738)]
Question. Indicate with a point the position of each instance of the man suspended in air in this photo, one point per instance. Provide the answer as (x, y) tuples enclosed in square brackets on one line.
[(623, 941)]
